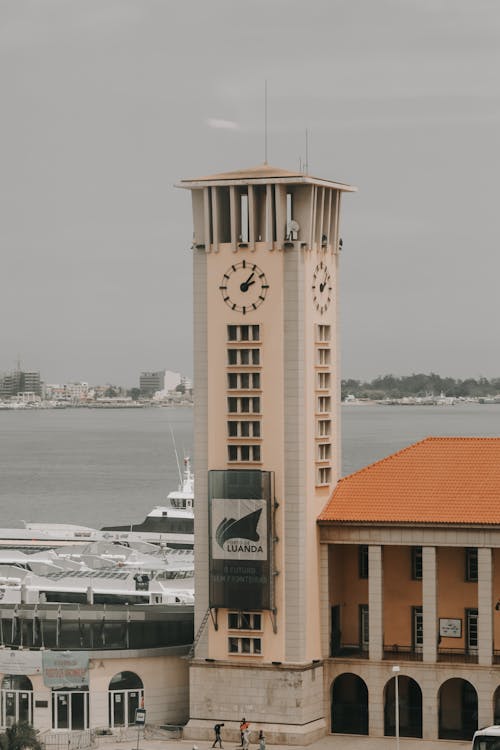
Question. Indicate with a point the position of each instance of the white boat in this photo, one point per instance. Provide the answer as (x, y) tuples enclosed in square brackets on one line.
[(171, 524), (98, 573)]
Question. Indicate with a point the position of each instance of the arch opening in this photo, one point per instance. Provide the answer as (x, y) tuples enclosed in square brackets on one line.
[(349, 705)]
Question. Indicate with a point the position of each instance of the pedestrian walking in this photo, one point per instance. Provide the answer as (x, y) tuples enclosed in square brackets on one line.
[(246, 738), (262, 741), (243, 725), (218, 736)]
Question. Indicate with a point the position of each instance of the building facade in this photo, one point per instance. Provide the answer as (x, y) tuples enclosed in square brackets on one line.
[(411, 552), (267, 444), (151, 382), (20, 381)]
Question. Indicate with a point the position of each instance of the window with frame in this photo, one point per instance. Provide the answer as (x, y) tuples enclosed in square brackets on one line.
[(324, 404), (251, 646), (324, 356), (471, 570), (324, 427), (243, 429), (243, 404), (416, 563), (243, 453), (323, 381), (324, 475), (363, 561), (244, 621), (324, 451), (243, 333), (243, 357), (471, 624), (364, 627), (417, 628), (323, 332), (243, 381)]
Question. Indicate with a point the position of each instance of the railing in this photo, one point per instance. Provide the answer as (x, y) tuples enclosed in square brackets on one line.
[(456, 655), (397, 652), (71, 740), (349, 650)]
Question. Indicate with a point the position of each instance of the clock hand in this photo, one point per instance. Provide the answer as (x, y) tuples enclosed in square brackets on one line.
[(245, 284)]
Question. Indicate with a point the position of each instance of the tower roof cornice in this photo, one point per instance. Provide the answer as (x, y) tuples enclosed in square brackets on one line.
[(261, 175)]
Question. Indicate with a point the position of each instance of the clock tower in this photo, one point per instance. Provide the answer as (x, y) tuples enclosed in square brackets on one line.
[(267, 447)]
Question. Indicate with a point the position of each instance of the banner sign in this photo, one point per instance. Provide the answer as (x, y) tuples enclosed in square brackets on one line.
[(240, 539), (13, 661), (65, 669), (450, 628)]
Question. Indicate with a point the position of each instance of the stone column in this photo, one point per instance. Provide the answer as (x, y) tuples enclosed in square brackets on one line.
[(375, 603), (485, 611), (429, 603), (324, 599), (431, 625)]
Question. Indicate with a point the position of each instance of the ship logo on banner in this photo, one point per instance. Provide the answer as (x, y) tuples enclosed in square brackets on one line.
[(243, 528), (239, 529)]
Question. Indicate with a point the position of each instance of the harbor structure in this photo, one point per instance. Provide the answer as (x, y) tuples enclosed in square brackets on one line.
[(267, 444)]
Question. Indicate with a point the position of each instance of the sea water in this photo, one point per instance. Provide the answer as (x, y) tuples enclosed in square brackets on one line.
[(97, 467)]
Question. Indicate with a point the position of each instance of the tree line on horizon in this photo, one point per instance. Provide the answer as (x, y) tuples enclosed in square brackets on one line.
[(419, 385)]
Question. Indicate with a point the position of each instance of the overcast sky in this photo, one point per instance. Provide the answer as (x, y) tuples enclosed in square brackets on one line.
[(105, 104)]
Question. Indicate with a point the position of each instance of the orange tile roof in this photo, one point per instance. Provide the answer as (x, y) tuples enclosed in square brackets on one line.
[(452, 480)]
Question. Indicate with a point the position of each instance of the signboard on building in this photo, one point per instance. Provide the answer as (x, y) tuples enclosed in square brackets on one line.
[(450, 628), (240, 539), (14, 661), (65, 669)]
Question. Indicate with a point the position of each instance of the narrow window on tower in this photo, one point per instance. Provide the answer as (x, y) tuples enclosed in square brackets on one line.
[(232, 429), (323, 357), (244, 218)]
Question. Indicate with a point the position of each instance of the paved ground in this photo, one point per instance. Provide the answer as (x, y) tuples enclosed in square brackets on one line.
[(331, 742)]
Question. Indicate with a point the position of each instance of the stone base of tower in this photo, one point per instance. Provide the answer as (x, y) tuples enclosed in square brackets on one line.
[(285, 701)]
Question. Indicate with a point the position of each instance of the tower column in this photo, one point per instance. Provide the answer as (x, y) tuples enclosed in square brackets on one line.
[(267, 450)]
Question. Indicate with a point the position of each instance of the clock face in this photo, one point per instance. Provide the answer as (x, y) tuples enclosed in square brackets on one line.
[(322, 287), (244, 287)]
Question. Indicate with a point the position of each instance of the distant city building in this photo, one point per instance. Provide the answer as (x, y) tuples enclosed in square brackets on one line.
[(172, 380), (161, 381), (20, 381), (151, 382), (67, 392)]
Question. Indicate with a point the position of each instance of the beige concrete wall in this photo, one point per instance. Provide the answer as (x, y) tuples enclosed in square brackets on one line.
[(166, 689), (455, 594), (401, 593), (347, 590), (290, 698)]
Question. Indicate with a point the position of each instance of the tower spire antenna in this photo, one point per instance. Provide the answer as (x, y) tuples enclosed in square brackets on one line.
[(265, 121), (306, 163)]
